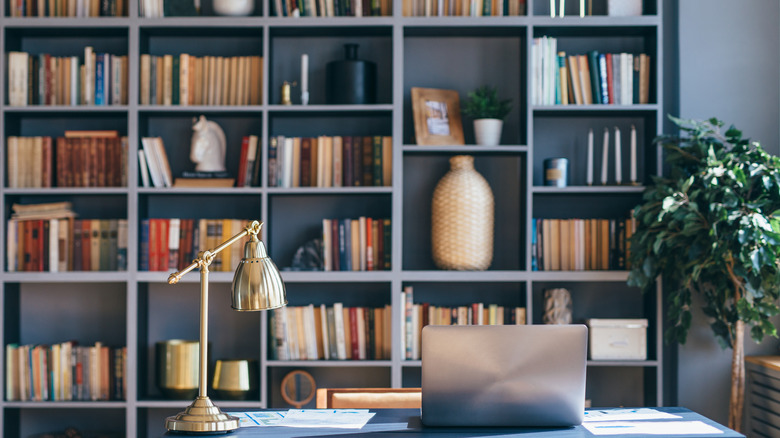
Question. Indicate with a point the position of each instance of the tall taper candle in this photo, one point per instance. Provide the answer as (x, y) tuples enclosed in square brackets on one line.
[(633, 154), (589, 171), (618, 160), (552, 8), (561, 7), (305, 79), (604, 156), (582, 8)]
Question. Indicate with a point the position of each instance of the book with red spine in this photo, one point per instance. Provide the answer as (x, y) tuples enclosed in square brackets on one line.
[(353, 326), (241, 178)]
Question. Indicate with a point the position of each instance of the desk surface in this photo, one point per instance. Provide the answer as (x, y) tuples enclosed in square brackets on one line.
[(390, 422)]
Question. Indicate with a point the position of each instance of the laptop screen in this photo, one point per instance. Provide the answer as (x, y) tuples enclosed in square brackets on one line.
[(510, 375)]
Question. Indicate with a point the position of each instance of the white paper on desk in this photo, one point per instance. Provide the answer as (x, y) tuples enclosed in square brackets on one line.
[(257, 419), (626, 415), (341, 418), (650, 428)]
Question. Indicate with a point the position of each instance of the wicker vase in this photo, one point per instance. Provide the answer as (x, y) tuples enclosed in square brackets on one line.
[(462, 218)]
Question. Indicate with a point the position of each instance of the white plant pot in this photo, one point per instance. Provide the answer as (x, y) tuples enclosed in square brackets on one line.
[(234, 7), (488, 131)]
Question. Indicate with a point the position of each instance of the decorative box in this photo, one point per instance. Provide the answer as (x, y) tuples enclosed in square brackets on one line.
[(624, 8), (618, 339)]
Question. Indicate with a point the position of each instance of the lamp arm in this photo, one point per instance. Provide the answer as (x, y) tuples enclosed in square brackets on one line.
[(206, 257)]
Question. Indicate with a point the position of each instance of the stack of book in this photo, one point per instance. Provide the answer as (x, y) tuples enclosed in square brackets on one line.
[(418, 315), (67, 8), (463, 8), (65, 372), (361, 244), (324, 161), (98, 79), (333, 333), (81, 159), (171, 244), (331, 8), (593, 78), (201, 80), (581, 244), (48, 238)]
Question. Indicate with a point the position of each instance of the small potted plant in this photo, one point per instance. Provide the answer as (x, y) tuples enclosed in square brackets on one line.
[(488, 113)]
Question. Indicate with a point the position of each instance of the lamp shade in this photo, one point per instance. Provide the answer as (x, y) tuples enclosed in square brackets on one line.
[(257, 284)]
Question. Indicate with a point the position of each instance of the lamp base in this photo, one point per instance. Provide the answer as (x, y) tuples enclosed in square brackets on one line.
[(202, 416)]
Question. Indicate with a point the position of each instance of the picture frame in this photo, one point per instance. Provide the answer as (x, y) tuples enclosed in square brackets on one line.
[(437, 119)]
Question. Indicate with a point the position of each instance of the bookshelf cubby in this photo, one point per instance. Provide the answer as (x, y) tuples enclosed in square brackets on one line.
[(136, 308)]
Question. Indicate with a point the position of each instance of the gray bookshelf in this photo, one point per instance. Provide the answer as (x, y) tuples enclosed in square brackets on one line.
[(137, 309)]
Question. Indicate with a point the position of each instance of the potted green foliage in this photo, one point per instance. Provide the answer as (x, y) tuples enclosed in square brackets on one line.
[(712, 227), (488, 112)]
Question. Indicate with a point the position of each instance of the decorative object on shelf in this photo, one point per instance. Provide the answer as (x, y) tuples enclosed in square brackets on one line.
[(557, 306), (208, 146), (257, 285), (624, 8), (304, 79), (715, 216), (351, 80), (298, 388), (589, 164), (287, 92), (436, 117), (462, 218), (605, 157), (308, 257), (177, 368), (235, 379), (556, 172), (488, 112), (618, 159), (234, 7)]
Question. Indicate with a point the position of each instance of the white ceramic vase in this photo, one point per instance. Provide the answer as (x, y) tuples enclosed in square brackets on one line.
[(234, 7), (488, 131)]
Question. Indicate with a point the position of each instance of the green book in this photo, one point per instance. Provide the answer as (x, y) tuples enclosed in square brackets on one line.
[(595, 82), (175, 80)]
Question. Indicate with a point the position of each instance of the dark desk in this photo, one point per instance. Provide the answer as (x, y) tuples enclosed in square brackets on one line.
[(392, 422)]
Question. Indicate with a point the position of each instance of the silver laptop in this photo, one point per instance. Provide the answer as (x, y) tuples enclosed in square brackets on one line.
[(510, 375)]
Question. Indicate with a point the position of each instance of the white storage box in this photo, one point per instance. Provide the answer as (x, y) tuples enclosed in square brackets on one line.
[(624, 8), (618, 339)]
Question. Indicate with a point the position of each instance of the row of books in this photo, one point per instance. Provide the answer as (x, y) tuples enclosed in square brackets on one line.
[(201, 80), (331, 8), (593, 78), (325, 161), (418, 315), (172, 244), (361, 244), (65, 372), (96, 79), (463, 8), (66, 244), (153, 163), (67, 8), (330, 332), (80, 159), (580, 244)]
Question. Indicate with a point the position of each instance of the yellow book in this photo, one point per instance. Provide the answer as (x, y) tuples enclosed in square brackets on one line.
[(232, 81), (356, 243), (184, 79)]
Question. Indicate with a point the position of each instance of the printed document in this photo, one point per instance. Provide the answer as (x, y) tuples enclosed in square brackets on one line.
[(626, 415), (341, 418), (667, 428)]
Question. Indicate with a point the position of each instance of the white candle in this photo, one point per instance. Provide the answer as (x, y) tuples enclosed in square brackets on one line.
[(552, 8), (582, 8), (604, 156), (589, 174), (304, 79), (561, 7), (618, 160), (633, 154)]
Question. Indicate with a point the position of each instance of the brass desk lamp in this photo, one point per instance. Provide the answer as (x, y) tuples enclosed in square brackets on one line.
[(257, 285)]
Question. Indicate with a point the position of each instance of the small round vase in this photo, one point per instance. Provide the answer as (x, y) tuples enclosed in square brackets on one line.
[(488, 131), (462, 218), (234, 7)]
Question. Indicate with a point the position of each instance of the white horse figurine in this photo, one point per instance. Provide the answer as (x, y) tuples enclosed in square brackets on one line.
[(208, 146)]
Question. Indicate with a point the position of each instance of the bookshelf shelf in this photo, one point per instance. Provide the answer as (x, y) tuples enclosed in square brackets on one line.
[(135, 308)]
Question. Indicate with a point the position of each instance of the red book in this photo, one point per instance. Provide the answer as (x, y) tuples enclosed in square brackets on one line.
[(305, 167), (610, 90), (163, 245), (61, 159), (368, 161), (369, 245), (347, 162), (353, 327), (334, 238), (36, 261), (242, 162)]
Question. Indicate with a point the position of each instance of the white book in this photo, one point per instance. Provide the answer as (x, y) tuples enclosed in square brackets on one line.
[(362, 238), (89, 76), (310, 332), (162, 160), (54, 245), (341, 342), (174, 229), (151, 160), (402, 326), (143, 168), (74, 80), (17, 78), (36, 164), (11, 245), (287, 163), (320, 160)]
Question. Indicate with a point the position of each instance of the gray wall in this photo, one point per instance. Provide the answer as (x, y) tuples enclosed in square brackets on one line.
[(729, 67)]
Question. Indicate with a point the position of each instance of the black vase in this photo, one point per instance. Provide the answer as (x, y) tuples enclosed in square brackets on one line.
[(350, 81)]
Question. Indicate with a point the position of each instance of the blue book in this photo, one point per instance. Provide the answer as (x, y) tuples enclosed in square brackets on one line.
[(100, 92), (603, 77), (348, 244), (143, 258), (534, 246), (342, 245)]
